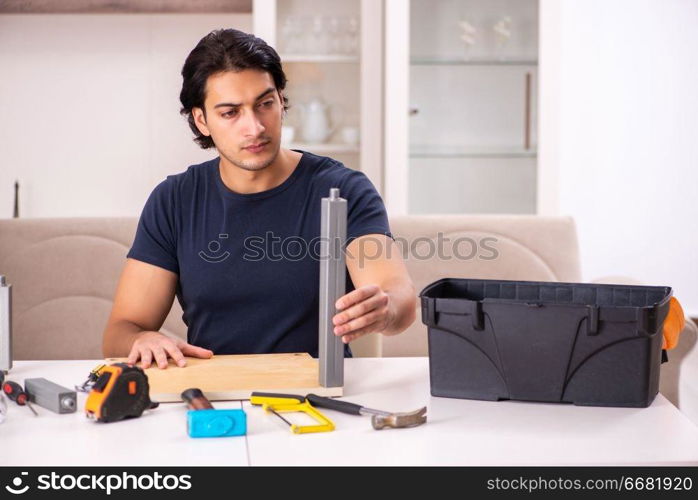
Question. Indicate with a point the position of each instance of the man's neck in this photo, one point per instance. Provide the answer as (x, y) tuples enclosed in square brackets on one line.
[(244, 181)]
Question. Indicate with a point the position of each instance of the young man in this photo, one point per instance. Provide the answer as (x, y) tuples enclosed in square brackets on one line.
[(211, 234)]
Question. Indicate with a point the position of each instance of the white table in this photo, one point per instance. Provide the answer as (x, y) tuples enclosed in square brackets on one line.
[(158, 437), (458, 432)]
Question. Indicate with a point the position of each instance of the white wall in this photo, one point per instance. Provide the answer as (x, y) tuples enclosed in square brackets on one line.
[(619, 135), (89, 108)]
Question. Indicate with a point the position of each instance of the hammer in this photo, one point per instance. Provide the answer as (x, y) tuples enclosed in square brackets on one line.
[(379, 419), (205, 421)]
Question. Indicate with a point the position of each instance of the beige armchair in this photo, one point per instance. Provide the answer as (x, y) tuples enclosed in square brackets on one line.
[(64, 273)]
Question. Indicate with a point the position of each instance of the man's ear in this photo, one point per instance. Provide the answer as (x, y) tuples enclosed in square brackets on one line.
[(200, 121), (283, 102)]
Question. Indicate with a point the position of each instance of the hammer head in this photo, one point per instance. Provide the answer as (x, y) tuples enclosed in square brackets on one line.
[(397, 420)]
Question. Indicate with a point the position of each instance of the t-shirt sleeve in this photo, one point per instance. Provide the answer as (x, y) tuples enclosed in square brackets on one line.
[(155, 240), (366, 212)]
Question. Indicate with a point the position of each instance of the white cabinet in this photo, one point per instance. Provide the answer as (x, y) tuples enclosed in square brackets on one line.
[(442, 92), (331, 52), (464, 100)]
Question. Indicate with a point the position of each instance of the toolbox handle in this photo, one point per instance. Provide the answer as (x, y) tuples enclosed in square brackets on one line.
[(647, 319), (472, 308)]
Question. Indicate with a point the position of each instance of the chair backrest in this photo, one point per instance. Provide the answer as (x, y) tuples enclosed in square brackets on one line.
[(64, 272), (510, 247)]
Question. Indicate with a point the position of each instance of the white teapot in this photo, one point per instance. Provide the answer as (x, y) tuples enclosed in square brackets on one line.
[(315, 126)]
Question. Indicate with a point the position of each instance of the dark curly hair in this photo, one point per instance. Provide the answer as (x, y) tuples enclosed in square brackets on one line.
[(225, 50)]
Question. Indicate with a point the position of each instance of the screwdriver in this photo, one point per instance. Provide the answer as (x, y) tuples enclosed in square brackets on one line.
[(15, 392), (3, 408), (3, 404)]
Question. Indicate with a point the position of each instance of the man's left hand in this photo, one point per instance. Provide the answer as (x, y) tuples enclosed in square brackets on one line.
[(364, 310)]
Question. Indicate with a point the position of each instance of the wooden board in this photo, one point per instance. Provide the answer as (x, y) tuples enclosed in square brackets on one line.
[(229, 377)]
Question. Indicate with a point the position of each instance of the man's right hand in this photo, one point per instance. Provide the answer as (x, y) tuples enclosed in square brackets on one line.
[(143, 298), (155, 346)]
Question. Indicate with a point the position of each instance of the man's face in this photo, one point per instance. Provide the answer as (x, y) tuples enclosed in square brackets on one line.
[(243, 117)]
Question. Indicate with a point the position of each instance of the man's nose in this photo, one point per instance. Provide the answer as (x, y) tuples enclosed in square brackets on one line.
[(252, 125)]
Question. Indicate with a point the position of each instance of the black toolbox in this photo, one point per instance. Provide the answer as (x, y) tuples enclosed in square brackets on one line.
[(587, 344)]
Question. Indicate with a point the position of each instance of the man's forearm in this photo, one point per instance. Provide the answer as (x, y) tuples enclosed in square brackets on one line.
[(402, 304), (118, 338)]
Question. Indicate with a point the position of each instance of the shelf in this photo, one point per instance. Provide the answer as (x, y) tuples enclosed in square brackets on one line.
[(318, 58), (475, 61), (326, 147), (470, 152)]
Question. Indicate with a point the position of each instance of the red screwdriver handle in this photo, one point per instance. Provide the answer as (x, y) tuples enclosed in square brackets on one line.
[(15, 392)]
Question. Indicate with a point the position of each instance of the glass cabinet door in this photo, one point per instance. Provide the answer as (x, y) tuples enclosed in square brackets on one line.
[(332, 55), (472, 117), (319, 46)]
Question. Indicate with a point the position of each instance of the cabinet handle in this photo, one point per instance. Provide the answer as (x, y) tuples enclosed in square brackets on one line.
[(527, 113), (413, 111), (15, 213)]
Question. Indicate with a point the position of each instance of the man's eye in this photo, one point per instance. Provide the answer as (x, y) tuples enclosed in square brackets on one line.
[(268, 104), (228, 114)]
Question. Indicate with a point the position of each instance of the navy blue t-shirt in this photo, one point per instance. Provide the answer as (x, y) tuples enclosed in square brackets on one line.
[(247, 263)]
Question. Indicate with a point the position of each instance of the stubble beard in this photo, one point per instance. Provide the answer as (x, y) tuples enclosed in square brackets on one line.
[(250, 166)]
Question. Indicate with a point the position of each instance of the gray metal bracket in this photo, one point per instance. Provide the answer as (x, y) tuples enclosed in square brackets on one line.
[(5, 325)]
